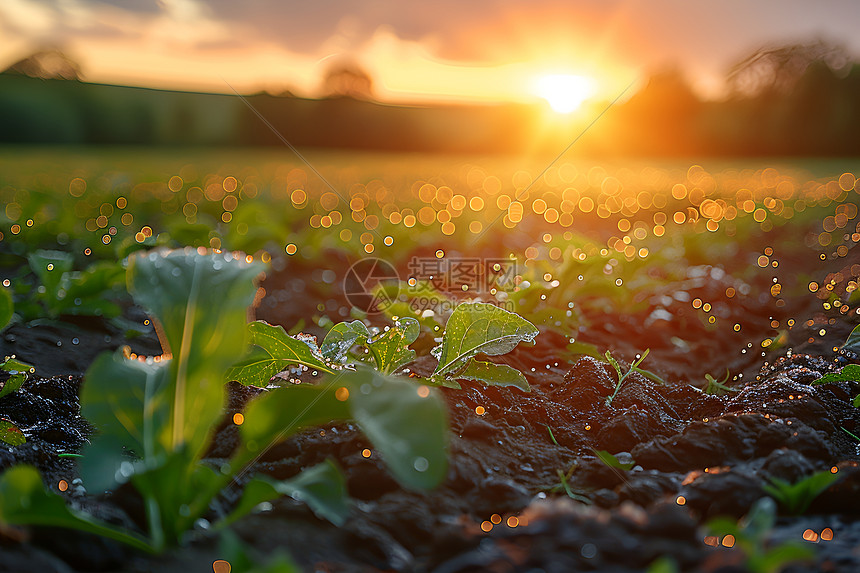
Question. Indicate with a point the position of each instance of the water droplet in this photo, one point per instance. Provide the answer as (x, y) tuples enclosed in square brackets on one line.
[(421, 464), (75, 341)]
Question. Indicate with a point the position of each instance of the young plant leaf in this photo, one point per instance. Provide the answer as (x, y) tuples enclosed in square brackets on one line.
[(200, 301), (24, 501), (853, 342), (18, 371), (405, 422), (480, 327), (274, 351), (391, 349), (281, 412), (848, 373), (796, 497), (342, 337), (7, 307), (84, 292), (133, 416), (322, 487), (493, 374), (10, 434), (718, 387), (612, 461), (51, 267)]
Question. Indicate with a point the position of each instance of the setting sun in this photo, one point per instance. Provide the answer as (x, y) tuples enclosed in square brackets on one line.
[(565, 92)]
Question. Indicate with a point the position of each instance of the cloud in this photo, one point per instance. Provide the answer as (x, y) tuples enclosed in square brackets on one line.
[(636, 35)]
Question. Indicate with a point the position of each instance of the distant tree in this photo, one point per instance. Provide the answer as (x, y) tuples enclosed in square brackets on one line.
[(774, 70), (347, 79), (47, 64)]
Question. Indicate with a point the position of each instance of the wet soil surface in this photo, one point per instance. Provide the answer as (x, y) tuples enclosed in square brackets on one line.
[(503, 507)]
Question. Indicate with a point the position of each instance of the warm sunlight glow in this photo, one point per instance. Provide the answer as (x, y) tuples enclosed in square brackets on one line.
[(565, 92)]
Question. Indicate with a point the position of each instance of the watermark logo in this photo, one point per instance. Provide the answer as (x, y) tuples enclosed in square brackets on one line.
[(371, 284), (465, 274)]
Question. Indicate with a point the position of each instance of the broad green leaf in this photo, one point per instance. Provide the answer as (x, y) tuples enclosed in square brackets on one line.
[(24, 501), (391, 349), (322, 487), (128, 402), (853, 342), (256, 369), (7, 307), (51, 268), (480, 327), (611, 461), (279, 350), (281, 412), (341, 338), (15, 366), (96, 279), (12, 383), (494, 375), (192, 486), (19, 371), (848, 373), (406, 422), (10, 434), (200, 300)]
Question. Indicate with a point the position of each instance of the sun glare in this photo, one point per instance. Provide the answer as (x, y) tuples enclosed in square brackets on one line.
[(565, 92)]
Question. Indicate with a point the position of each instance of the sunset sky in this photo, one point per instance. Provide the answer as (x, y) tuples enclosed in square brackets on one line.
[(415, 51)]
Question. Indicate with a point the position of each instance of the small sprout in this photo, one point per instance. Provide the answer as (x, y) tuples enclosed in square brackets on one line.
[(796, 497), (623, 376), (718, 388)]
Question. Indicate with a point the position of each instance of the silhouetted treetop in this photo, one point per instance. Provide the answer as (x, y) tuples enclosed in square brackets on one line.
[(47, 64), (778, 69), (347, 79)]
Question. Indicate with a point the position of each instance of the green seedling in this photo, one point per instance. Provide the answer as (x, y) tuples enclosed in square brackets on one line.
[(18, 372), (551, 435), (10, 434), (164, 411), (718, 388), (796, 497), (622, 376), (751, 535), (848, 373), (273, 350), (612, 461), (487, 329), (63, 291), (389, 349), (564, 485)]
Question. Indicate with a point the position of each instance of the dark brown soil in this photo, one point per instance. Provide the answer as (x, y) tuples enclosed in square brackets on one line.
[(716, 452)]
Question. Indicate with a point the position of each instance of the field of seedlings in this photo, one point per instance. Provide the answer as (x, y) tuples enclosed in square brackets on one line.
[(257, 361)]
